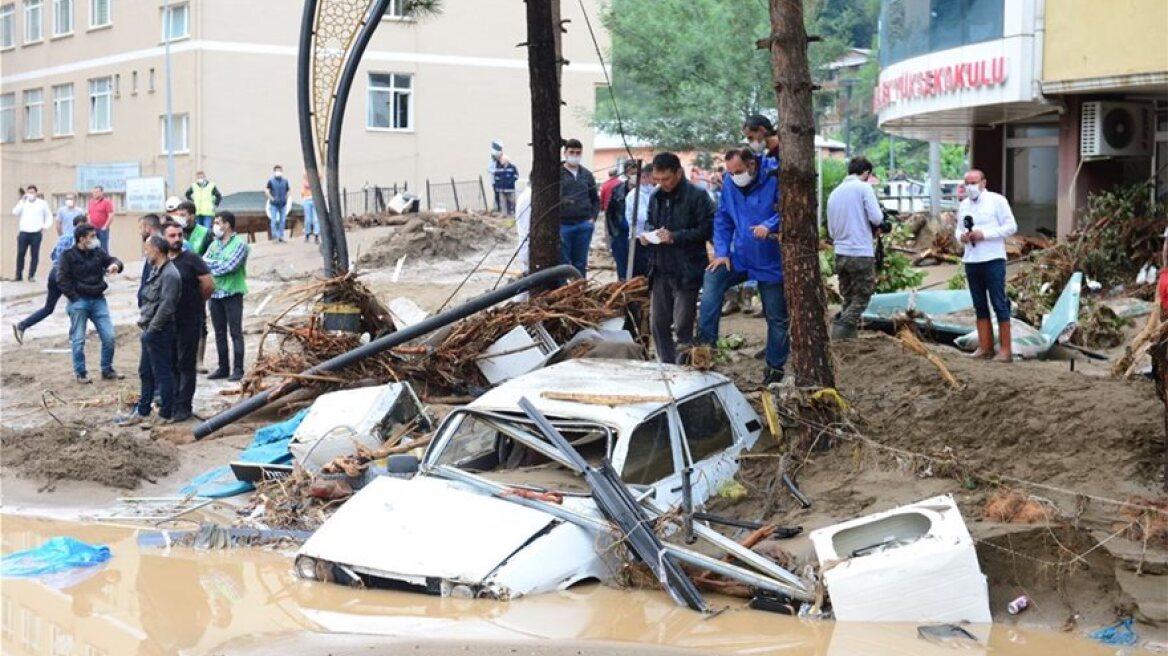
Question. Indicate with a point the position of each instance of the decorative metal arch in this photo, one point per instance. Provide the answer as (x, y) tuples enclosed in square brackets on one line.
[(333, 38)]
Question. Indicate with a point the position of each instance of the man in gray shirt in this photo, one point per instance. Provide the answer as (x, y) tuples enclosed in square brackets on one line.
[(156, 364), (852, 214)]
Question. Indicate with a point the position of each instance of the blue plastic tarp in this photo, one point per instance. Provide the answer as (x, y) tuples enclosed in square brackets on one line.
[(269, 446), (55, 555)]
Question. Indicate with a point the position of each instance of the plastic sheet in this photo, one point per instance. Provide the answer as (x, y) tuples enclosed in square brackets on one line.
[(55, 555), (269, 446)]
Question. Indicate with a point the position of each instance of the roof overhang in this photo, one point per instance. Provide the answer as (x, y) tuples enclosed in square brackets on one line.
[(1154, 83)]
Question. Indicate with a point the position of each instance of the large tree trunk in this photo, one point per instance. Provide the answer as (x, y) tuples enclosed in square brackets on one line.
[(810, 355), (543, 65)]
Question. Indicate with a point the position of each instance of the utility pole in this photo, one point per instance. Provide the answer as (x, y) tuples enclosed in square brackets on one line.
[(848, 83), (170, 175), (935, 179), (802, 281), (543, 63)]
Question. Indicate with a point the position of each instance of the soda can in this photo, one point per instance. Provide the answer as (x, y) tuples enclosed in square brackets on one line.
[(1018, 605)]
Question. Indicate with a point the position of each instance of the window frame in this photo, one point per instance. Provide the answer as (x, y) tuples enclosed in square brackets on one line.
[(108, 94), (58, 100), (8, 10), (109, 17), (178, 121), (57, 13), (168, 13), (29, 6), (27, 111), (393, 91), (396, 12), (689, 458), (10, 109)]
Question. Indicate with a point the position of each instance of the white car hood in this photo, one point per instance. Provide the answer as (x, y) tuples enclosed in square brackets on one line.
[(425, 527)]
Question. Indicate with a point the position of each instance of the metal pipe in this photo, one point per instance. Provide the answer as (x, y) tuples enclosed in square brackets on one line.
[(475, 305), (307, 146), (687, 513)]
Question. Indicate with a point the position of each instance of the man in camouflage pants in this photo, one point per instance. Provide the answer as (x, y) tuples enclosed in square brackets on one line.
[(852, 214)]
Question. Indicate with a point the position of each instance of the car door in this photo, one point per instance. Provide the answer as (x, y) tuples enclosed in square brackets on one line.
[(652, 455), (710, 442)]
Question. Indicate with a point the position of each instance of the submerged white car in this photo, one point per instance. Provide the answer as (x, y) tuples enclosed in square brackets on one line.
[(451, 531)]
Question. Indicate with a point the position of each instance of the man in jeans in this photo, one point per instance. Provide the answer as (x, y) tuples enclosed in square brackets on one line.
[(81, 277), (746, 248), (189, 317), (853, 212), (156, 319), (64, 243), (679, 221), (984, 221), (101, 215), (579, 207), (277, 192), (227, 259), (33, 213), (206, 197)]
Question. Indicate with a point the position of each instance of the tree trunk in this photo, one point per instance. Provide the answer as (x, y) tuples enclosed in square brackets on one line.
[(543, 65), (810, 355)]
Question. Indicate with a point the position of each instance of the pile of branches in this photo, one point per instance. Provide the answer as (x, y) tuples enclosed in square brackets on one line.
[(1119, 233), (441, 367)]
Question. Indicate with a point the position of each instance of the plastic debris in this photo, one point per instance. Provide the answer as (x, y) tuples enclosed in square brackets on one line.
[(1119, 634), (55, 555), (732, 490)]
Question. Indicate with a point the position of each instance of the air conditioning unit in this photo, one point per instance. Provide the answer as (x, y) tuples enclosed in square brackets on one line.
[(1116, 129)]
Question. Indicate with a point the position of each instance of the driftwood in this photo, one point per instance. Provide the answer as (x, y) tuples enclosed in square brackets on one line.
[(933, 255), (910, 340), (1139, 345)]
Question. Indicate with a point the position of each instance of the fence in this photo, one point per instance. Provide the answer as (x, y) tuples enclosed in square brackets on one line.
[(453, 195), (910, 196), (370, 200)]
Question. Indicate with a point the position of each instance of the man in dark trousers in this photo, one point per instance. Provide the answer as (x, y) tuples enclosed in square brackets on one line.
[(227, 259), (81, 277), (197, 286), (64, 243), (156, 319), (579, 207), (615, 224), (679, 224)]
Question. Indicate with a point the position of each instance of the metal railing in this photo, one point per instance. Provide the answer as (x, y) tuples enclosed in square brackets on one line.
[(454, 195), (371, 199)]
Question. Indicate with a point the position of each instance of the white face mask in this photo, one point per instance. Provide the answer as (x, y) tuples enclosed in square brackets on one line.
[(93, 243), (70, 202), (758, 146), (202, 181), (30, 196), (217, 231), (181, 220), (742, 179), (278, 174), (572, 160), (972, 190)]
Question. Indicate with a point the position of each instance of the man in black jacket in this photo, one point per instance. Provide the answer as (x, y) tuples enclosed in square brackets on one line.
[(614, 220), (81, 277), (160, 300), (680, 222), (579, 207)]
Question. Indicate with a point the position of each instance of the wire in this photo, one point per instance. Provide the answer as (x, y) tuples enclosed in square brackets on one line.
[(620, 126)]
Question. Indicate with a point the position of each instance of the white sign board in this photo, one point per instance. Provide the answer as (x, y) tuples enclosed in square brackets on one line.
[(145, 194), (110, 176)]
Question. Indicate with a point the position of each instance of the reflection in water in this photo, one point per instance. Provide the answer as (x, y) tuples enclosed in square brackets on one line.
[(178, 601)]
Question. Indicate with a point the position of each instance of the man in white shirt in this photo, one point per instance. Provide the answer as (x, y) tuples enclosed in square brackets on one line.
[(35, 217), (984, 220), (852, 214)]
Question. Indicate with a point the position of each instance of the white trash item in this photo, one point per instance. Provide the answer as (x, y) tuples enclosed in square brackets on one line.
[(915, 563), (338, 421), (520, 351)]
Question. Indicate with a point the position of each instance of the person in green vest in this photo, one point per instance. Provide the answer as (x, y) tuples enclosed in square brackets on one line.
[(205, 195), (227, 259), (196, 238)]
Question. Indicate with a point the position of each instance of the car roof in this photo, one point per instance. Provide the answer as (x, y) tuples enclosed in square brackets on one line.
[(631, 378)]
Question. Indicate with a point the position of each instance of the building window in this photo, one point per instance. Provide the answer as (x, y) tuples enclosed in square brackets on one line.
[(8, 117), (101, 101), (180, 127), (34, 24), (910, 28), (395, 10), (7, 25), (150, 82), (390, 101), (99, 13), (34, 114), (134, 83), (62, 17), (176, 22), (62, 110)]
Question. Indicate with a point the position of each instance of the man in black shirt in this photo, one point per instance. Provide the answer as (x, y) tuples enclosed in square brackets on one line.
[(197, 285)]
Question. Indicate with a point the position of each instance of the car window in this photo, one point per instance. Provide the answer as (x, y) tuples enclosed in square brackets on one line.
[(650, 455), (706, 425), (473, 443)]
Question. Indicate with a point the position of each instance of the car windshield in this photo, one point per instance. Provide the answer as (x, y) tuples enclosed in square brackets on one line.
[(486, 444)]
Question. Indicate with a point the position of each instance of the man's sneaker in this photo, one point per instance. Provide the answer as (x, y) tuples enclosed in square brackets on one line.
[(218, 374), (731, 306), (32, 278), (18, 333), (180, 416), (772, 376), (129, 419), (235, 376), (83, 379), (112, 374)]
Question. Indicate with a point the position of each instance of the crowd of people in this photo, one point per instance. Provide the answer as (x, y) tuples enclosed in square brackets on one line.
[(194, 265)]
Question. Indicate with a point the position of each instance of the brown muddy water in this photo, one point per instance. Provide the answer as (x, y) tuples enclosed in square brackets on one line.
[(248, 601)]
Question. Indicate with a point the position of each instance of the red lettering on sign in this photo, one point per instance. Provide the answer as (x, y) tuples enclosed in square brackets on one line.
[(985, 73)]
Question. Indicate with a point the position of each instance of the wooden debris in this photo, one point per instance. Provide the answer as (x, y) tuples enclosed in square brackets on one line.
[(1140, 344), (910, 340), (604, 399)]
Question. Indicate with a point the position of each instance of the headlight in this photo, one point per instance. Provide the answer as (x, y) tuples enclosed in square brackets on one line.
[(306, 568), (462, 592)]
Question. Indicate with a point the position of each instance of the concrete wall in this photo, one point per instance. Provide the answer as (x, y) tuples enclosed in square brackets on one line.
[(1089, 39)]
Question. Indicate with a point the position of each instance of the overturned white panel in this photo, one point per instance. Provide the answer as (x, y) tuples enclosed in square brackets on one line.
[(521, 350), (915, 563), (339, 421)]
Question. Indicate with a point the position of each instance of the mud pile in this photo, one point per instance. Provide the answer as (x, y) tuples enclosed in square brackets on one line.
[(437, 237), (77, 452)]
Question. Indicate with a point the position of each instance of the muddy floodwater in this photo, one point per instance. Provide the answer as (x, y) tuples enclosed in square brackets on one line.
[(147, 601)]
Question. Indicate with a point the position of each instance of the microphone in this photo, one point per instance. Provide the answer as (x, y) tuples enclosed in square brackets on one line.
[(968, 221)]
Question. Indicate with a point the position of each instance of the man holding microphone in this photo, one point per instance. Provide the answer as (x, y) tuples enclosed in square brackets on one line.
[(985, 222)]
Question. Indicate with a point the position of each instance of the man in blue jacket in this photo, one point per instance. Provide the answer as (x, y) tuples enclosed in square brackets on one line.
[(746, 247)]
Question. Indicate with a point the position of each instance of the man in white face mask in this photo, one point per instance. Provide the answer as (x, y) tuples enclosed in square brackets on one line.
[(579, 207), (984, 220), (81, 277), (66, 213)]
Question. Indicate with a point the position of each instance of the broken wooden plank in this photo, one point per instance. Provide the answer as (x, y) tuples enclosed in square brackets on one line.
[(913, 343), (604, 399)]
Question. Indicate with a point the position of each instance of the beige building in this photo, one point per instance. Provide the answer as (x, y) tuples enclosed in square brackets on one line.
[(82, 95)]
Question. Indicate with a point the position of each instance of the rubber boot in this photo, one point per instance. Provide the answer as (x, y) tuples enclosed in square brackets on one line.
[(985, 340), (1005, 344), (841, 331)]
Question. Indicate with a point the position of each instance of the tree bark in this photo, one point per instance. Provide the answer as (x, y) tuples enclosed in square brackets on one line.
[(806, 303), (543, 67)]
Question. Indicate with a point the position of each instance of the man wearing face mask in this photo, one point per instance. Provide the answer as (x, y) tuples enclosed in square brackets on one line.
[(189, 317), (34, 216), (277, 192), (746, 248), (579, 207), (853, 212), (81, 277), (198, 238), (64, 243), (616, 228), (637, 224), (206, 197), (679, 223), (763, 139), (157, 321), (65, 215), (227, 259), (984, 221)]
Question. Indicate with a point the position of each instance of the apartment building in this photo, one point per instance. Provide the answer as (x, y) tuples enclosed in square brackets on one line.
[(83, 89)]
